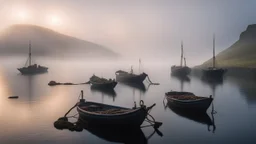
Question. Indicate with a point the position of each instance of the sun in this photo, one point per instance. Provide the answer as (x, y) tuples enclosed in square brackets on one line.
[(55, 20)]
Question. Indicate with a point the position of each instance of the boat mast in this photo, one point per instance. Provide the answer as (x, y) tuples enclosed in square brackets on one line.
[(29, 53), (181, 59), (213, 59), (185, 63), (139, 65)]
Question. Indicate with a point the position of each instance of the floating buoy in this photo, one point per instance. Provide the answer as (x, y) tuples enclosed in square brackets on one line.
[(13, 97)]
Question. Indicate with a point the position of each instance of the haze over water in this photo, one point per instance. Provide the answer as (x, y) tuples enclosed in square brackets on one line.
[(30, 118)]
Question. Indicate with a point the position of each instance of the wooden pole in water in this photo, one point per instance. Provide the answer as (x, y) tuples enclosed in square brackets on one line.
[(181, 59), (82, 94)]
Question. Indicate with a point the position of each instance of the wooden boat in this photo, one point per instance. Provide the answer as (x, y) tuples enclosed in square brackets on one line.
[(32, 69), (188, 101), (123, 76), (213, 72), (104, 114), (102, 83), (181, 70)]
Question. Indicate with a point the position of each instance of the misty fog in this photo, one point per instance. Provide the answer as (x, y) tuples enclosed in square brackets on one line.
[(144, 29)]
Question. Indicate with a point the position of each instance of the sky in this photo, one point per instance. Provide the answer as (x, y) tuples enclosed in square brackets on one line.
[(140, 28)]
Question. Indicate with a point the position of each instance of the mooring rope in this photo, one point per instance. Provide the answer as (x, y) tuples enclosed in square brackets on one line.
[(152, 82)]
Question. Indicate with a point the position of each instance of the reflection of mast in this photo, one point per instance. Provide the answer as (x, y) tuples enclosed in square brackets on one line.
[(213, 120), (133, 93), (213, 111), (181, 85), (30, 88), (102, 98)]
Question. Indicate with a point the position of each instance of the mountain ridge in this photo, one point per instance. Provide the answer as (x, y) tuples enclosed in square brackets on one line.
[(240, 54), (47, 42)]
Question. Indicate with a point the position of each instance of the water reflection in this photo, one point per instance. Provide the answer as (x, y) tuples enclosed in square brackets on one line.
[(182, 79), (112, 133), (247, 88), (201, 117), (136, 86), (108, 92)]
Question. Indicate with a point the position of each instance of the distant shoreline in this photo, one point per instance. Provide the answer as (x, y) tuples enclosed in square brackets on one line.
[(232, 71)]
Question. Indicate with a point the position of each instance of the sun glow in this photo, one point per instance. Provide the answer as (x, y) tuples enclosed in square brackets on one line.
[(21, 14), (55, 20)]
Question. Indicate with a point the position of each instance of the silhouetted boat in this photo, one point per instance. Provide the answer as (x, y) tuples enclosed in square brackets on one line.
[(188, 101), (123, 76), (213, 72), (104, 114), (32, 69), (102, 83), (181, 70)]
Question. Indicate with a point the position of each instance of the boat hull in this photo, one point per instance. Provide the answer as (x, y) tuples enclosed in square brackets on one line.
[(180, 71), (131, 78), (109, 85), (27, 71), (133, 118), (199, 105), (214, 73)]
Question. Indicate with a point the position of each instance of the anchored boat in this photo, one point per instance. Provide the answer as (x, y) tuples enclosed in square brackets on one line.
[(104, 114), (32, 69), (181, 70), (188, 101), (213, 72), (123, 76), (102, 83)]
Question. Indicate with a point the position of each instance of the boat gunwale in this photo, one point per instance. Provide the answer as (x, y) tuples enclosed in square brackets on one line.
[(108, 115), (102, 83), (187, 101)]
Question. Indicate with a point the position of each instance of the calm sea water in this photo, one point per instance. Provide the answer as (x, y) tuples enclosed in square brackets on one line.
[(30, 118)]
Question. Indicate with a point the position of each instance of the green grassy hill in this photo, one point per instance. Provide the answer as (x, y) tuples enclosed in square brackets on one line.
[(241, 54)]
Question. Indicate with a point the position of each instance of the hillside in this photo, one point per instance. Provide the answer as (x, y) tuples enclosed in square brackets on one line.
[(241, 54), (14, 40)]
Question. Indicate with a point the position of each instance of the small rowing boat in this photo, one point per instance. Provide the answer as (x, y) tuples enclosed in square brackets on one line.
[(102, 83), (104, 114), (188, 101)]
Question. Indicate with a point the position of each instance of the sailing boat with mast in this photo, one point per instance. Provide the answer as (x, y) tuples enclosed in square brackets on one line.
[(32, 69), (213, 72), (126, 77), (181, 70)]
